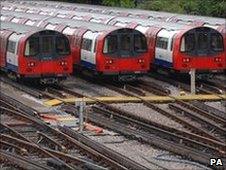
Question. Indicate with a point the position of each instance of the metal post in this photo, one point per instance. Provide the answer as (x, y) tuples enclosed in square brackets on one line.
[(80, 107), (192, 81)]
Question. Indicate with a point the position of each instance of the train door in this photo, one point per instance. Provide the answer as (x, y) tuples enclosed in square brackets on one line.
[(163, 56), (170, 45), (11, 54), (88, 52)]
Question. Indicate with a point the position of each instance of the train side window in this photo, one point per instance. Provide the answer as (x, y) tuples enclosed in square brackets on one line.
[(86, 44), (216, 42), (62, 46), (162, 42), (11, 47), (110, 44), (32, 46)]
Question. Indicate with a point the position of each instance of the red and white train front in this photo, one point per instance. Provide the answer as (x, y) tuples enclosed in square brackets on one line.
[(43, 54), (201, 48), (122, 52)]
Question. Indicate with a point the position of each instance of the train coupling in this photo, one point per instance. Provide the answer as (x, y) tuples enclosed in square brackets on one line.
[(45, 81), (124, 78)]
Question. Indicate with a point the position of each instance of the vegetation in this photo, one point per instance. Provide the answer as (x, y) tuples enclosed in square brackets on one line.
[(216, 8)]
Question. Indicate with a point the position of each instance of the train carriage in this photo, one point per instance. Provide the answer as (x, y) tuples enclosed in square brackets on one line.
[(135, 13), (34, 53), (182, 47), (212, 22), (170, 43), (105, 50)]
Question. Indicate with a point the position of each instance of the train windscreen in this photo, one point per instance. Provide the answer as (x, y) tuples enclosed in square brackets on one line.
[(47, 47), (202, 42), (62, 45), (129, 43)]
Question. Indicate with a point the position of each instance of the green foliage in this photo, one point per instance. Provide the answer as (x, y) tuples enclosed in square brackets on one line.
[(215, 8), (119, 3)]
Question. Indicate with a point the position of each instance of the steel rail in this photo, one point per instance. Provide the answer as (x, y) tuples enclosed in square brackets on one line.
[(130, 164), (178, 148), (61, 135), (20, 161), (151, 126)]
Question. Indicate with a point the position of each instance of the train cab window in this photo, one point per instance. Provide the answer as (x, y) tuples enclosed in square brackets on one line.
[(162, 42), (110, 44), (86, 44), (171, 44), (32, 46), (47, 45), (125, 42), (188, 42), (140, 43), (11, 47), (62, 46), (203, 41), (216, 42), (95, 46)]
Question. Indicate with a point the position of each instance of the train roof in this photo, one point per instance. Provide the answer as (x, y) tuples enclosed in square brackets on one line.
[(146, 23), (19, 28), (155, 14), (69, 22), (61, 11), (96, 26)]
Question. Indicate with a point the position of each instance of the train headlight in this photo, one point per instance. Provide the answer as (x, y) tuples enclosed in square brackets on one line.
[(186, 60), (217, 59), (109, 61), (63, 63), (31, 64), (141, 61)]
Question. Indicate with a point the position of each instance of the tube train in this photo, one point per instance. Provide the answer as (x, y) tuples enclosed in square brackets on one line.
[(33, 53), (215, 23), (135, 13), (176, 46), (106, 50)]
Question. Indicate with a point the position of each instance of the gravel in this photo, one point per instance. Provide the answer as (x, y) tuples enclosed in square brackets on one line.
[(217, 105), (24, 98), (173, 89), (146, 112), (166, 108), (144, 154), (88, 88)]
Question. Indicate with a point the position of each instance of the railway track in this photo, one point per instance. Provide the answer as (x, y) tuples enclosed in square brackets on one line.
[(68, 152), (202, 139), (212, 122), (157, 135), (38, 92), (197, 141), (201, 86)]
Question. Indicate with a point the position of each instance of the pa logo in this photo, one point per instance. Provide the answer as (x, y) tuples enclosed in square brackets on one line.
[(216, 162)]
